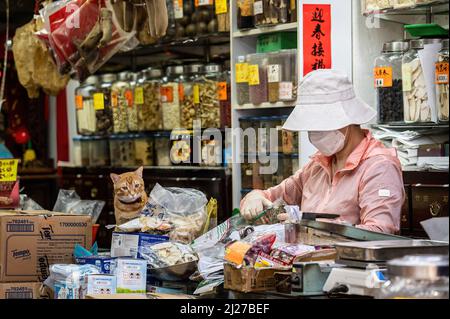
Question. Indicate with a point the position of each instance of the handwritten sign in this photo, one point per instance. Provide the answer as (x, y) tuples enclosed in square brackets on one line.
[(8, 170), (383, 77), (316, 37)]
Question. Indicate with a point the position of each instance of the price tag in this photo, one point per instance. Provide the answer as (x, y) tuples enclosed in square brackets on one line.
[(199, 3), (222, 90), (196, 93), (99, 101), (442, 73), (241, 72), (139, 96), (8, 170), (129, 98), (166, 94), (383, 77), (79, 102), (258, 7), (273, 73), (253, 74), (178, 9), (285, 91), (406, 77), (221, 6)]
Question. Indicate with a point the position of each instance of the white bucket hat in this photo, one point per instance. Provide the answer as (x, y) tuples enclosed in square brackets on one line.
[(327, 102)]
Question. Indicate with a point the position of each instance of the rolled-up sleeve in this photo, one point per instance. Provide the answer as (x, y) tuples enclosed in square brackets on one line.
[(381, 196)]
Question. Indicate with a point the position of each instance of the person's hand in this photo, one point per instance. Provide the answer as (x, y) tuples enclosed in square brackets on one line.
[(254, 205)]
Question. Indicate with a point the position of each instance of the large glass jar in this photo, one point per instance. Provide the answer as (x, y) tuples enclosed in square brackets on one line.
[(211, 153), (288, 84), (144, 150), (223, 15), (102, 105), (416, 102), (388, 82), (241, 78), (416, 277), (121, 100), (257, 78), (84, 102), (261, 12), (150, 112), (225, 98), (245, 14), (132, 110), (205, 17), (207, 102), (170, 97), (188, 108), (442, 74)]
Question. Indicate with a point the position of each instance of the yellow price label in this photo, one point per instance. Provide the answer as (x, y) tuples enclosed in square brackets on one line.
[(8, 170), (139, 96), (241, 72), (221, 6), (196, 93), (99, 102), (253, 74)]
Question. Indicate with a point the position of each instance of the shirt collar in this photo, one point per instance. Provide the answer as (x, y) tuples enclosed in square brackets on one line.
[(353, 159)]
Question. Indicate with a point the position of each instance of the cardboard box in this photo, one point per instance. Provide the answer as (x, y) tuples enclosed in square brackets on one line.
[(131, 275), (140, 296), (127, 244), (248, 279), (101, 284), (24, 290), (30, 241)]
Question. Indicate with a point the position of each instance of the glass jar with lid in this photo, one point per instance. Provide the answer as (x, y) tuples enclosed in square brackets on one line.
[(207, 102), (98, 152), (225, 97), (102, 105), (132, 111), (245, 14), (204, 17), (122, 150), (84, 102), (442, 74), (416, 277), (170, 97), (241, 79), (388, 82), (150, 112), (188, 109), (121, 100), (257, 78), (416, 102), (162, 149)]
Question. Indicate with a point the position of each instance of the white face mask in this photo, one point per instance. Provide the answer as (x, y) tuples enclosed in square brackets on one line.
[(327, 142)]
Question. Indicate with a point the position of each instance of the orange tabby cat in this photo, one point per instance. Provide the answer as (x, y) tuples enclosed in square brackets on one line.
[(129, 195)]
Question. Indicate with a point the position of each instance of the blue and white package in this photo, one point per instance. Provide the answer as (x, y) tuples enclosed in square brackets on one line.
[(131, 275), (106, 264), (127, 244)]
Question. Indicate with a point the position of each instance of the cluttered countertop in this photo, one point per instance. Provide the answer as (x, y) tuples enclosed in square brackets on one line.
[(173, 248)]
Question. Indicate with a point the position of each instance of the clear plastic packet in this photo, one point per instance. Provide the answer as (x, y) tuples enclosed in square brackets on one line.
[(245, 253), (167, 254), (287, 253), (69, 202), (84, 35), (26, 203), (184, 208)]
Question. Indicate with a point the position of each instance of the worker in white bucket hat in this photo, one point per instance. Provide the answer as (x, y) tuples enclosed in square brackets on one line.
[(352, 174)]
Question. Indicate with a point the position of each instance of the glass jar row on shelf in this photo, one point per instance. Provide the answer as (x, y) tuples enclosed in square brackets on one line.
[(369, 6), (266, 77), (160, 149), (148, 101), (257, 13), (411, 81)]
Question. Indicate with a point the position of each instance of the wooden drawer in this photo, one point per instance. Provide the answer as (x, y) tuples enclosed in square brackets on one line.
[(428, 201)]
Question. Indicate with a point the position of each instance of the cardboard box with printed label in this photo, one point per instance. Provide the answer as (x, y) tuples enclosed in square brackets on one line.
[(247, 279), (24, 290), (30, 241)]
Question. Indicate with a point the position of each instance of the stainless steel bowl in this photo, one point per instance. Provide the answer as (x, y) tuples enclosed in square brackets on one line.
[(178, 272)]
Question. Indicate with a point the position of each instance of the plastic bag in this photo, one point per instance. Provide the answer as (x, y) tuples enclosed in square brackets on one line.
[(26, 203), (167, 254), (69, 202), (184, 208), (84, 35), (68, 281)]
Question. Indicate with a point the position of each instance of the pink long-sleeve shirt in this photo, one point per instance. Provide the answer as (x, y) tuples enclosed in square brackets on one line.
[(368, 192)]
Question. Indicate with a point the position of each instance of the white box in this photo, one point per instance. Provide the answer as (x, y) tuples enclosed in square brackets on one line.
[(101, 284), (131, 275)]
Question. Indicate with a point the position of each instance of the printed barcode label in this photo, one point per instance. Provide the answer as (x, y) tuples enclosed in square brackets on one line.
[(19, 228), (19, 295)]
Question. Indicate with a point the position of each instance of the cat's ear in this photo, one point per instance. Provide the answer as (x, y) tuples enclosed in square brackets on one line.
[(115, 178), (139, 171)]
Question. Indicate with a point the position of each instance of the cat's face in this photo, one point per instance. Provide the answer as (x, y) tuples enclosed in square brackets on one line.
[(129, 187)]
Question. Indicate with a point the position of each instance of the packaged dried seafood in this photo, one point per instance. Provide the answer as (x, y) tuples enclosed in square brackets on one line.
[(167, 254)]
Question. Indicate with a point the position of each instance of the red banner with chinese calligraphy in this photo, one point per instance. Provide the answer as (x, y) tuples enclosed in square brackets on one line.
[(316, 37)]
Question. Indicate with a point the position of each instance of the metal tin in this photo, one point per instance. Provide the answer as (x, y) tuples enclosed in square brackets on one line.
[(213, 68), (174, 70), (395, 46), (388, 249), (108, 78), (424, 267)]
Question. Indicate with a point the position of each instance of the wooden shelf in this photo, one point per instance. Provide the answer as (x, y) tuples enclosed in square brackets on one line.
[(264, 30), (265, 106)]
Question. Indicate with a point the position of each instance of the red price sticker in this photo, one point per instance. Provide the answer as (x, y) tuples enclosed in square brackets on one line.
[(222, 91), (166, 94)]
